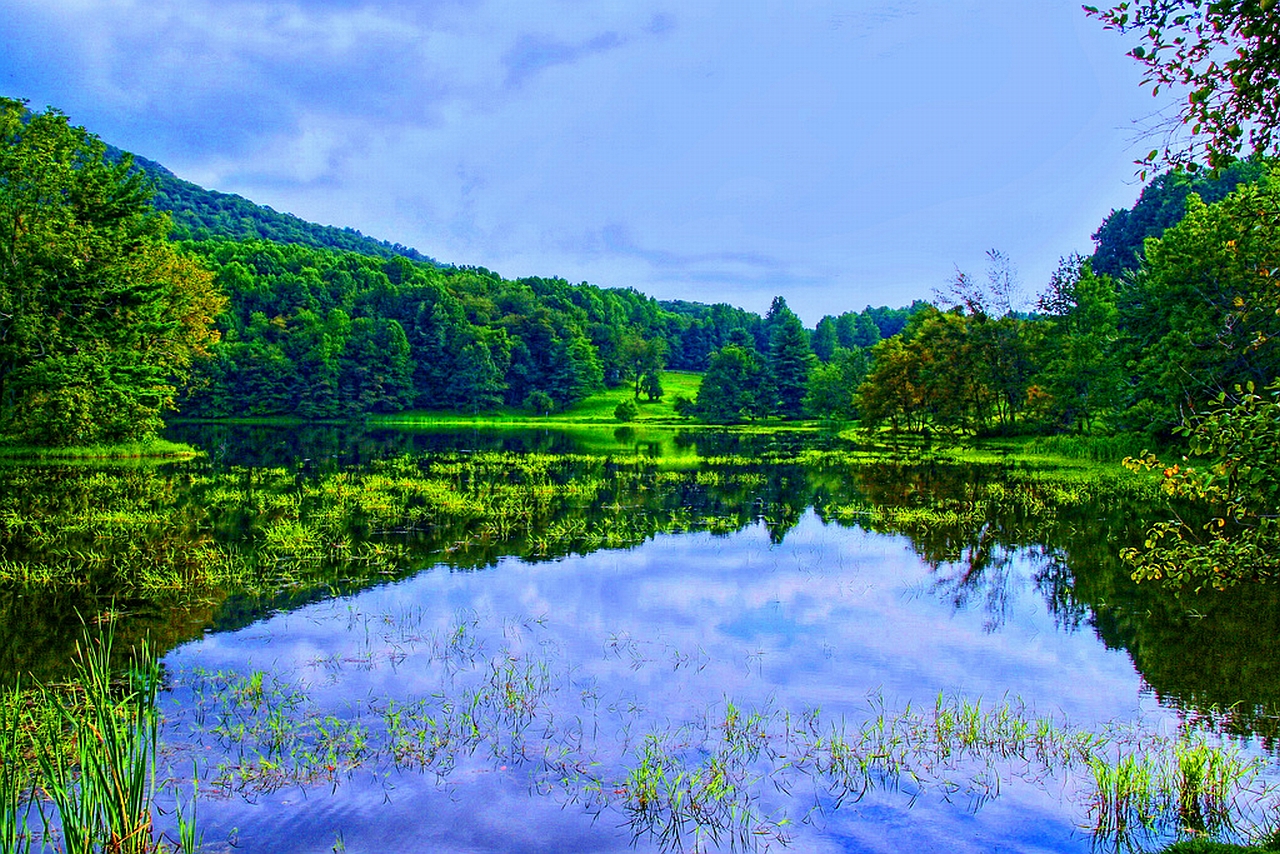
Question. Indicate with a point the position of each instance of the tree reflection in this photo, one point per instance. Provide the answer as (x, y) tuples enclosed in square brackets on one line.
[(185, 547)]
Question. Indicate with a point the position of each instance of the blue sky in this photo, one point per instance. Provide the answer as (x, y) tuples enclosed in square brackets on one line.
[(837, 153)]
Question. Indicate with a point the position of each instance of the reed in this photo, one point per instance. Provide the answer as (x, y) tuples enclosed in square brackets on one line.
[(102, 790), (15, 782)]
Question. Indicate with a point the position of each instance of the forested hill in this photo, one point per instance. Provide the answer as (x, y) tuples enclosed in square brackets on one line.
[(324, 322), (200, 214)]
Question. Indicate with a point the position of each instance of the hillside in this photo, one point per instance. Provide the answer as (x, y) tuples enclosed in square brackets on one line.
[(200, 214)]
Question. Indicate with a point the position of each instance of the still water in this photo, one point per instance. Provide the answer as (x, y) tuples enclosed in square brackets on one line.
[(660, 640), (777, 685)]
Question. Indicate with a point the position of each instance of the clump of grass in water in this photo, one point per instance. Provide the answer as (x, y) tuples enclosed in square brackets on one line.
[(15, 782), (104, 790), (1125, 797), (1192, 785)]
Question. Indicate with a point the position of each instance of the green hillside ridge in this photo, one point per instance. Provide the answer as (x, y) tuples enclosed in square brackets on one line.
[(201, 214)]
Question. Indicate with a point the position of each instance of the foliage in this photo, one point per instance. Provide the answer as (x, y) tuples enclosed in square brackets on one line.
[(1199, 317), (200, 214), (101, 317), (1226, 54), (103, 790), (1120, 239), (790, 360), (1081, 379), (644, 361), (735, 387), (539, 403), (956, 372), (832, 386), (1238, 489), (322, 334), (626, 410)]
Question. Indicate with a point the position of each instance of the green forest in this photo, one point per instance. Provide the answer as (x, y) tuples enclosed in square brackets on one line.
[(304, 321), (269, 316)]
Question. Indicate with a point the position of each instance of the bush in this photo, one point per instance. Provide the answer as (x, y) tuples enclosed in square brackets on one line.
[(626, 410), (540, 403)]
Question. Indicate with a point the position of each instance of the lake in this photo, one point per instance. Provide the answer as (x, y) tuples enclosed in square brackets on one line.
[(529, 641)]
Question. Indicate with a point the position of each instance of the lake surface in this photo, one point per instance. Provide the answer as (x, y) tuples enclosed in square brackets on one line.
[(774, 682)]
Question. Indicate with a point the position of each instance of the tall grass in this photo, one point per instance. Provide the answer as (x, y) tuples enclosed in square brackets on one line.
[(15, 782), (1191, 785), (102, 788), (1099, 449)]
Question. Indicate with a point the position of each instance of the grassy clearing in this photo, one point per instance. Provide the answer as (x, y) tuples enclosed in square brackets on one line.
[(149, 449), (596, 409)]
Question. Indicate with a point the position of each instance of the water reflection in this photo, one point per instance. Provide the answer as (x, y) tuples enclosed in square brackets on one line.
[(332, 446), (989, 541), (533, 704)]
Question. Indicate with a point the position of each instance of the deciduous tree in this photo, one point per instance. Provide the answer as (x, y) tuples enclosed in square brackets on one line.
[(1226, 55), (100, 315)]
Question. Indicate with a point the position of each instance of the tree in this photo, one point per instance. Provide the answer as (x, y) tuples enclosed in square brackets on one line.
[(892, 389), (1239, 486), (626, 410), (539, 403), (1120, 239), (826, 338), (790, 361), (1081, 376), (832, 386), (731, 388), (1226, 53), (643, 362), (1200, 315), (997, 297), (101, 317)]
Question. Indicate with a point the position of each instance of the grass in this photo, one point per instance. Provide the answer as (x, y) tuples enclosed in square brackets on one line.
[(78, 760), (15, 780), (706, 783), (1209, 846), (595, 410), (103, 789), (150, 448)]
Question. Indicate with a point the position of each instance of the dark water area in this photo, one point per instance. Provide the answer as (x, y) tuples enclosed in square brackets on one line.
[(523, 640), (331, 446)]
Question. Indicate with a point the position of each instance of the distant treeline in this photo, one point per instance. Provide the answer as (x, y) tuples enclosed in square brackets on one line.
[(321, 333)]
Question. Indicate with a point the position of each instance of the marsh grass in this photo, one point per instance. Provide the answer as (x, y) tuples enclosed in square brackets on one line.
[(152, 448), (16, 780), (192, 530), (1189, 785), (103, 791)]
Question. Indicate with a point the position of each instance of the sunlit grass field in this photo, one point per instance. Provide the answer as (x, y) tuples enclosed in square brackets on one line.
[(597, 409)]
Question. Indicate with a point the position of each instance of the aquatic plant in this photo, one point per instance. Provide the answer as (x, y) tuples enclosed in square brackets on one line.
[(103, 790), (15, 780)]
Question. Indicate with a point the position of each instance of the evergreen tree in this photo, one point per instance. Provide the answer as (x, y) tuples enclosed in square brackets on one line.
[(731, 388), (790, 361), (826, 338)]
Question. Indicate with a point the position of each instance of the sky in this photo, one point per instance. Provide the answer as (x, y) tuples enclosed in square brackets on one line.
[(839, 154)]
